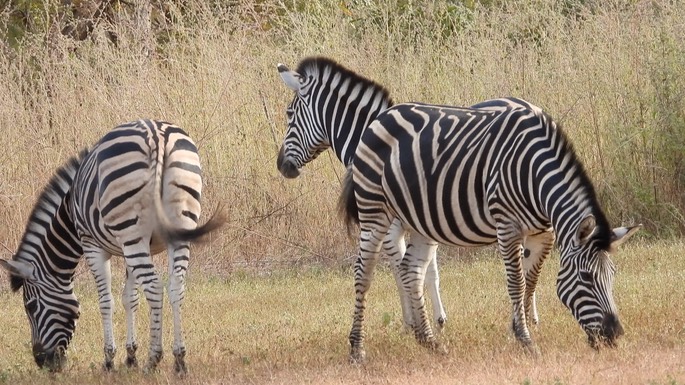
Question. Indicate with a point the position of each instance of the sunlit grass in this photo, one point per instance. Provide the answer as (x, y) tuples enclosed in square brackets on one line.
[(291, 326), (270, 296)]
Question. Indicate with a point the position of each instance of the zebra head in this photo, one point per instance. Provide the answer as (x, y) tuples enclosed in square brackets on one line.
[(306, 136), (52, 310), (586, 278)]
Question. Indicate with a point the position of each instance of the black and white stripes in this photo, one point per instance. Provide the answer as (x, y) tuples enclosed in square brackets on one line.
[(134, 194), (332, 107), (500, 172)]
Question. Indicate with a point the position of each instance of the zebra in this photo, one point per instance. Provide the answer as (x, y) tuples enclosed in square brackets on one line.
[(133, 194), (503, 172), (318, 120), (331, 108)]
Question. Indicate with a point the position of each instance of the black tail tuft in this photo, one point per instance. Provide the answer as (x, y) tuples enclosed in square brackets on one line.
[(197, 234), (347, 204)]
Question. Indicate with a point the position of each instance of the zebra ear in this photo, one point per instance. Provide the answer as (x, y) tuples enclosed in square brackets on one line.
[(291, 78), (621, 234), (585, 229), (17, 268)]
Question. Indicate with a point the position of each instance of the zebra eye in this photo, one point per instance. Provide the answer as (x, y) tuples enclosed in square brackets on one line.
[(586, 276)]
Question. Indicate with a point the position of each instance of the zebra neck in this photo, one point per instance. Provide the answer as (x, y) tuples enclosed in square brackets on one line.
[(345, 134), (52, 245), (570, 212), (347, 103), (50, 241)]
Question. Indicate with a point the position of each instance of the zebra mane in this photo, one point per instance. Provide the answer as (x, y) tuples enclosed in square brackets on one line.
[(49, 202), (317, 65), (603, 232)]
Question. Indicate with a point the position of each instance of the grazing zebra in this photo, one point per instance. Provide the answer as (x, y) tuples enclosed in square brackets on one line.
[(474, 176), (331, 108), (135, 193)]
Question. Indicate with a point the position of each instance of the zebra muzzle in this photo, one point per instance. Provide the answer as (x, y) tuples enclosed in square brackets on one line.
[(610, 330), (53, 360), (286, 166)]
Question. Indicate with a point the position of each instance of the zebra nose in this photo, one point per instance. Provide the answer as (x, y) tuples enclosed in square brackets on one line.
[(611, 327), (286, 166), (39, 355)]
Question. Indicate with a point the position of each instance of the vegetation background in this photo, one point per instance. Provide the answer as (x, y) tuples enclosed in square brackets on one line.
[(612, 72)]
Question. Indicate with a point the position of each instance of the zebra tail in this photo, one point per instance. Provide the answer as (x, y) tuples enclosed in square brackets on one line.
[(165, 228), (347, 203)]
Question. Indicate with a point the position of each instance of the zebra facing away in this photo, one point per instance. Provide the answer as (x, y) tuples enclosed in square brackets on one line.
[(331, 108), (475, 176), (135, 193)]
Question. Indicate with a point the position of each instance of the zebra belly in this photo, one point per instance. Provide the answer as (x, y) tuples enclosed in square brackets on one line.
[(449, 229)]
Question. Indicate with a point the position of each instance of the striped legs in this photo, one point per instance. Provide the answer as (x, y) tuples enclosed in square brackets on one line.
[(129, 299), (509, 243), (536, 249), (98, 262), (178, 266), (420, 254), (433, 286), (138, 260), (369, 248), (394, 247)]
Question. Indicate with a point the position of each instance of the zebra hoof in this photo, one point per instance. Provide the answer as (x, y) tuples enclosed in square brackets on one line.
[(152, 362), (180, 367), (357, 356), (441, 321), (131, 362), (532, 350), (180, 363), (108, 366)]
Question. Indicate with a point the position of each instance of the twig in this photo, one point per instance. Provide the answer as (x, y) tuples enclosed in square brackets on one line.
[(332, 162), (6, 248), (269, 120), (281, 240), (563, 116)]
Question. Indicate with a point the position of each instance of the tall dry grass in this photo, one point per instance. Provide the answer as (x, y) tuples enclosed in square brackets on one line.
[(613, 74)]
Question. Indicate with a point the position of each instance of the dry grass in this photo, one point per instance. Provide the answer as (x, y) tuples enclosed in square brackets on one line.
[(291, 327), (601, 75), (270, 298)]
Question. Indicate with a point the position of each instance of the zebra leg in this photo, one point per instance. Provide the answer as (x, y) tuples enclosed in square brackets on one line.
[(138, 259), (509, 244), (433, 284), (417, 258), (129, 299), (178, 266), (369, 250), (536, 249), (98, 262), (394, 247)]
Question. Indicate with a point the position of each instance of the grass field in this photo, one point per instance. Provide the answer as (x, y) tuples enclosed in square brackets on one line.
[(270, 297), (291, 327)]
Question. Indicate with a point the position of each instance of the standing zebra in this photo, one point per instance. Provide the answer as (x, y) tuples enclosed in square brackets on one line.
[(476, 176), (331, 108), (135, 193)]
